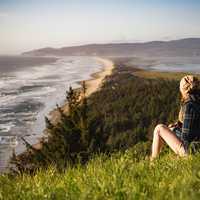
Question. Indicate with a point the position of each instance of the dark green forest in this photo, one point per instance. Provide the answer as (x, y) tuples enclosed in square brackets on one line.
[(122, 114)]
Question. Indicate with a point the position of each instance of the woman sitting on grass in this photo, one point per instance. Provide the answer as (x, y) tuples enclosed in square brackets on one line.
[(179, 135)]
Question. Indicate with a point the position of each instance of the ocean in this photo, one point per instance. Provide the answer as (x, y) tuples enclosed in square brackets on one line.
[(188, 68), (30, 87), (169, 64)]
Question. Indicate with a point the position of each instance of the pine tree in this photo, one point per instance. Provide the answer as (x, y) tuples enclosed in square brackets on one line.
[(72, 97), (83, 117)]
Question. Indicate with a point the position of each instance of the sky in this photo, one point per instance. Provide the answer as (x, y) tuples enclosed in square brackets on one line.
[(33, 24)]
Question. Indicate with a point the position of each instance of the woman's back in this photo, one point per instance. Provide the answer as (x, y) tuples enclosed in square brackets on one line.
[(191, 119)]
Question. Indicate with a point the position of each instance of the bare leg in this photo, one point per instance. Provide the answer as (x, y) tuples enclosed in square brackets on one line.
[(158, 143), (163, 132)]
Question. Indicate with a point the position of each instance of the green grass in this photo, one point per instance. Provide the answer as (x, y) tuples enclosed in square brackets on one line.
[(120, 176)]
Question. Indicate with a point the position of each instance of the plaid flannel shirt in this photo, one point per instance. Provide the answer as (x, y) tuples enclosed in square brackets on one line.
[(191, 123)]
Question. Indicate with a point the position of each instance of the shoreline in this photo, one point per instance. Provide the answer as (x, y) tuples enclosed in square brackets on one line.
[(96, 80), (93, 84)]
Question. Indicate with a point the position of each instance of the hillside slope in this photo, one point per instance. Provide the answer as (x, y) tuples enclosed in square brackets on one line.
[(183, 47), (123, 171), (121, 176)]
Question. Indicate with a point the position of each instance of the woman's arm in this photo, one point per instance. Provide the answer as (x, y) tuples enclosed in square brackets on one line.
[(179, 122)]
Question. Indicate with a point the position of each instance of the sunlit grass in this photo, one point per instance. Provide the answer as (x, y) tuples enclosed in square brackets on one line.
[(120, 176)]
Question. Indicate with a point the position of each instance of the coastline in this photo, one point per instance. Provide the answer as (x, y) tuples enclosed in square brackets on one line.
[(96, 81), (92, 84)]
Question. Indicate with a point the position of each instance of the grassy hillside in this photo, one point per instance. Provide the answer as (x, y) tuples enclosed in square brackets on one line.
[(120, 176)]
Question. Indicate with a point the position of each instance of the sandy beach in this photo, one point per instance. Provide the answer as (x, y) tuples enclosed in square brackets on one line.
[(95, 82), (92, 85), (97, 78)]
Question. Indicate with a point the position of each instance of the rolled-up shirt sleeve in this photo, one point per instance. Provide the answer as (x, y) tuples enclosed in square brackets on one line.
[(189, 117)]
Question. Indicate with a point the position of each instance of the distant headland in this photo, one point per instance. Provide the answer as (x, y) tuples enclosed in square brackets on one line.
[(182, 47)]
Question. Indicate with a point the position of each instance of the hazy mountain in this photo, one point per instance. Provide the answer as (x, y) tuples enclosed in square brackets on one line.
[(182, 47)]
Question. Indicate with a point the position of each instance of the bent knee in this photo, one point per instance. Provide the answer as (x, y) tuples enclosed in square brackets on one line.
[(159, 127)]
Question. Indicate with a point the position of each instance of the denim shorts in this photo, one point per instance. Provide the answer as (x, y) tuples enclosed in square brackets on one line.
[(177, 131)]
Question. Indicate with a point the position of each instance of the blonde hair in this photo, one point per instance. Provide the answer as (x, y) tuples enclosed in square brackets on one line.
[(188, 84), (180, 115)]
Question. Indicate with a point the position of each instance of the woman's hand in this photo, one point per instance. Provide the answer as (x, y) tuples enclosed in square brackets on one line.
[(173, 125), (177, 124)]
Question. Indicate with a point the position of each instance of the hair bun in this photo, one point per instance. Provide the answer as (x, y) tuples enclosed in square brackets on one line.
[(189, 83)]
